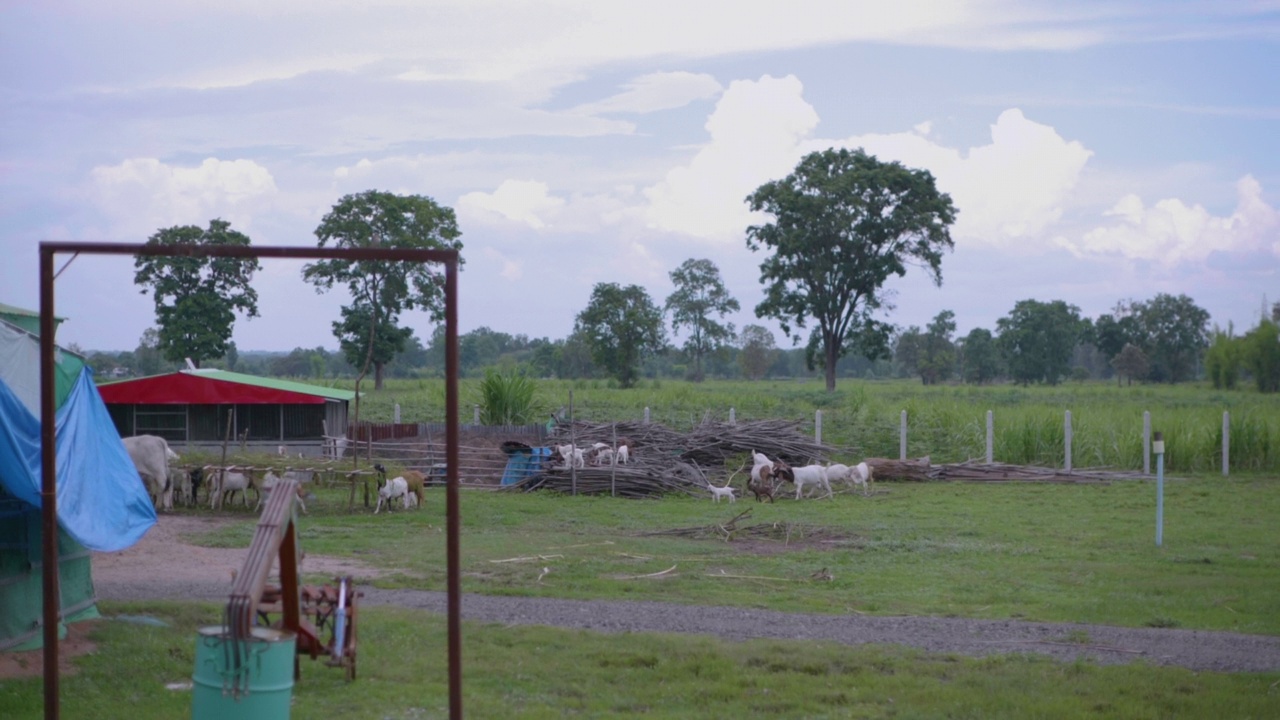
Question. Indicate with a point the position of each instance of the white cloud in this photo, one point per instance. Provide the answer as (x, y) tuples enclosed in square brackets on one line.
[(1172, 232), (1011, 189), (508, 269), (143, 194), (521, 201), (656, 91), (756, 130)]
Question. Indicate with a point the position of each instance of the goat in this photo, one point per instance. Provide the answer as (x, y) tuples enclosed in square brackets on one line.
[(810, 475), (572, 456), (269, 482), (719, 492), (761, 482), (196, 478), (151, 456), (865, 476), (394, 488), (416, 481), (226, 482)]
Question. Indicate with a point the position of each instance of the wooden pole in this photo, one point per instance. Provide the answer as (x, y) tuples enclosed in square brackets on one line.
[(1066, 440), (990, 437), (1226, 443), (902, 436)]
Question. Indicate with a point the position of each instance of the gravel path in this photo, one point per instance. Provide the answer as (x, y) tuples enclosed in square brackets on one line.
[(162, 567)]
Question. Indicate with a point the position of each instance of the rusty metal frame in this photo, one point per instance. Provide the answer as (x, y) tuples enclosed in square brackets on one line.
[(48, 433)]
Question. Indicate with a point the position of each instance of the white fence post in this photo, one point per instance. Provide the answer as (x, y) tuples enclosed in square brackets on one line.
[(397, 414), (1226, 443), (646, 416), (733, 418), (990, 434), (475, 414), (1146, 443), (902, 436), (1066, 440), (817, 427)]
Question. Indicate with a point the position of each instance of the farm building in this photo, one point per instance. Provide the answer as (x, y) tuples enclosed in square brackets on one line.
[(192, 407)]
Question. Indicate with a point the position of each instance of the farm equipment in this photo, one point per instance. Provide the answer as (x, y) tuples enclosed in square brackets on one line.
[(322, 618)]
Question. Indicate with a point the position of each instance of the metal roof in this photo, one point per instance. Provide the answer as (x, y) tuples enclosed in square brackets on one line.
[(210, 386)]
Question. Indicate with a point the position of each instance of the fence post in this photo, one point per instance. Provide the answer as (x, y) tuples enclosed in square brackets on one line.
[(613, 463), (1226, 443), (990, 427), (902, 436), (1146, 443), (573, 467), (733, 418), (1066, 440), (397, 413), (475, 414), (1159, 448), (817, 427), (646, 415)]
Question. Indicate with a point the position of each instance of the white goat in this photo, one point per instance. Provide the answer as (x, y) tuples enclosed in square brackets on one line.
[(863, 475), (226, 482), (760, 461), (573, 456), (269, 482), (719, 492), (396, 487), (811, 475), (151, 456)]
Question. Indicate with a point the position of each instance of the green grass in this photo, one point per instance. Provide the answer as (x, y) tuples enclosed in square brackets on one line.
[(947, 422), (1074, 553), (537, 672)]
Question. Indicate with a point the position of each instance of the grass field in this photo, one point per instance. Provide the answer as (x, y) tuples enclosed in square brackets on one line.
[(535, 672), (948, 423)]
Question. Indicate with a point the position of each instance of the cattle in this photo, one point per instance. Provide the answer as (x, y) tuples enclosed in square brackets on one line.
[(151, 456)]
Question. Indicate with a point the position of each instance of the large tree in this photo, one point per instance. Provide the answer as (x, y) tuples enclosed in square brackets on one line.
[(196, 298), (843, 222), (1037, 339), (1174, 333), (1261, 351), (938, 359), (699, 295), (980, 356), (353, 332), (759, 351), (374, 219), (622, 326)]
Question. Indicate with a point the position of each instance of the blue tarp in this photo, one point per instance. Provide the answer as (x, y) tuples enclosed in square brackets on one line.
[(102, 503), (523, 463)]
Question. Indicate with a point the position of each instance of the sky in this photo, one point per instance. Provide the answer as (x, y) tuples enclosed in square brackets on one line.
[(1096, 151)]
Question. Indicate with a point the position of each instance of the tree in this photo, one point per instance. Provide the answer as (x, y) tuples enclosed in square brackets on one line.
[(1222, 359), (147, 357), (1173, 332), (938, 359), (907, 351), (354, 333), (843, 222), (980, 356), (1036, 340), (622, 326), (1131, 363), (384, 289), (196, 297), (699, 294), (758, 352), (1262, 353)]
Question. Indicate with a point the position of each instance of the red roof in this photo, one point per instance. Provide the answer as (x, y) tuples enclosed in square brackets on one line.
[(181, 388)]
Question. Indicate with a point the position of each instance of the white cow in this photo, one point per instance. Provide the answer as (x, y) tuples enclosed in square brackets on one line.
[(151, 456)]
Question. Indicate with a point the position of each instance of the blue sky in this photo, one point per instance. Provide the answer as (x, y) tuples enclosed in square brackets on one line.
[(1097, 152)]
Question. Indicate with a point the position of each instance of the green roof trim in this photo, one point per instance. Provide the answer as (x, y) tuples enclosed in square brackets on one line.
[(274, 384)]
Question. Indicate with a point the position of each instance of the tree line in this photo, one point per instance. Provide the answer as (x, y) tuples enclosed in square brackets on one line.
[(840, 225)]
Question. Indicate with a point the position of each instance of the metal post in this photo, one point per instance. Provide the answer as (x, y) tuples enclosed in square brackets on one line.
[(902, 437), (1066, 440), (1146, 443), (48, 489), (1226, 444), (452, 512), (990, 437), (817, 427), (1159, 450)]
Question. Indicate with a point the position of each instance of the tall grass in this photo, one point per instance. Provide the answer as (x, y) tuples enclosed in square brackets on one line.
[(947, 423)]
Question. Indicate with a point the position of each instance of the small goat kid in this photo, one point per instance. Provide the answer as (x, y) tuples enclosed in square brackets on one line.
[(863, 475), (719, 492)]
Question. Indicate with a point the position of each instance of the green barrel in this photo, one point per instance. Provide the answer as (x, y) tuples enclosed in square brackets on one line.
[(251, 680)]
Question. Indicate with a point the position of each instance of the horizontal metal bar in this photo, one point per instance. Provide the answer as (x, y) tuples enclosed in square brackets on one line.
[(247, 251)]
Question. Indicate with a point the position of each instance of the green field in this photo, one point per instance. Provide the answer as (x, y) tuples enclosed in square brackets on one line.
[(948, 423)]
